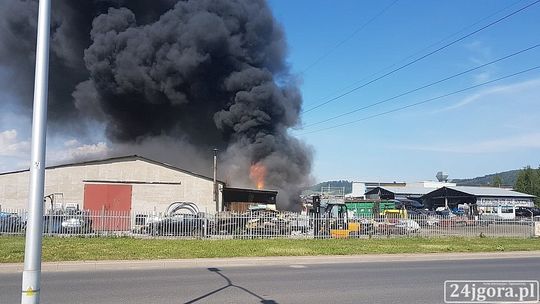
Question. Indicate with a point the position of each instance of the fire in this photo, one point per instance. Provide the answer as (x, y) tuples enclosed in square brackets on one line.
[(257, 173)]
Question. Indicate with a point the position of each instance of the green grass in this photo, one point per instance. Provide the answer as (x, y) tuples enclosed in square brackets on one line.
[(80, 249)]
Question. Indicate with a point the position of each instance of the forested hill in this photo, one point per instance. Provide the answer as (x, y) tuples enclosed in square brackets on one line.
[(340, 183), (508, 178)]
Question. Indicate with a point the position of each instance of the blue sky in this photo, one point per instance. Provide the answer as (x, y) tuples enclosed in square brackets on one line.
[(488, 129), (485, 130)]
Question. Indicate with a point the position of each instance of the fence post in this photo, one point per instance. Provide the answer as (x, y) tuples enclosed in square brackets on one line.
[(102, 219), (205, 234), (532, 225)]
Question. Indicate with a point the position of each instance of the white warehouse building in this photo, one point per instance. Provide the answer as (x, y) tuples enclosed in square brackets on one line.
[(115, 184)]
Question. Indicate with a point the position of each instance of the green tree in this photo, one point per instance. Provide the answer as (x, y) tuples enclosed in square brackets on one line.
[(496, 181), (537, 183), (528, 181)]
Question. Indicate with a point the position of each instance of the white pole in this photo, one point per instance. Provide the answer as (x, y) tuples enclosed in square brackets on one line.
[(216, 195), (32, 255)]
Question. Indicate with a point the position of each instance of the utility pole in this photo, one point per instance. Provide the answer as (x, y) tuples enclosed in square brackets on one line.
[(32, 251), (446, 198), (216, 191)]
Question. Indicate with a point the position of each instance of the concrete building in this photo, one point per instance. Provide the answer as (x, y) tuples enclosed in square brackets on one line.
[(115, 184)]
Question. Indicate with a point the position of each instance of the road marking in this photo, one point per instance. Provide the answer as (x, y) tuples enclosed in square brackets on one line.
[(298, 266)]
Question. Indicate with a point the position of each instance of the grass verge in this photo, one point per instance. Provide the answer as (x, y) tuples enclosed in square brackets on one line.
[(80, 249)]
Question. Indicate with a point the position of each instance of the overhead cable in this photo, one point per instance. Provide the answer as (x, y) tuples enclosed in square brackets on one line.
[(423, 101), (422, 57), (422, 87)]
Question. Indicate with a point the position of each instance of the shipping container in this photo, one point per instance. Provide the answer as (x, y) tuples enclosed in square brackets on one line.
[(369, 208)]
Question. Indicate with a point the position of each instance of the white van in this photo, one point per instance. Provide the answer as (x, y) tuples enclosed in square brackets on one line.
[(498, 212)]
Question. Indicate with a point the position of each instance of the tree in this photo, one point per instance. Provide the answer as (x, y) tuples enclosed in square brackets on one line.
[(496, 181), (528, 181)]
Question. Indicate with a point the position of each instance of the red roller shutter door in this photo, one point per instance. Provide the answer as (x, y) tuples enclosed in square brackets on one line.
[(109, 204)]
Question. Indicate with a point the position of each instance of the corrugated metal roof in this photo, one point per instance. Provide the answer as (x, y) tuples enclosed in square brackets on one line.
[(408, 190), (476, 191), (119, 159), (490, 191)]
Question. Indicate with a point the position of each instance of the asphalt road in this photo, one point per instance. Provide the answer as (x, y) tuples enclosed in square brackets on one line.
[(373, 282)]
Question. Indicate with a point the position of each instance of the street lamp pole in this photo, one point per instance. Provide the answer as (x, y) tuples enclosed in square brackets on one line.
[(32, 254)]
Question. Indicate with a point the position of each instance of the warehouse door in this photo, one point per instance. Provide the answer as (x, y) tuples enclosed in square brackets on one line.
[(109, 205)]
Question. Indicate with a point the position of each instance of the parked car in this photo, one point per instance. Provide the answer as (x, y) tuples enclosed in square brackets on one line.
[(178, 224), (11, 222), (424, 217), (76, 224), (527, 211), (52, 223), (407, 226), (445, 213), (73, 222), (408, 204)]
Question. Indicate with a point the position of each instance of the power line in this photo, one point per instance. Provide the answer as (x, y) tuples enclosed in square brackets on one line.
[(423, 101), (422, 57), (422, 50), (360, 28), (422, 87)]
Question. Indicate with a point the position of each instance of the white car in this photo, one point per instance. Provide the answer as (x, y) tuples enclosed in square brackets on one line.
[(408, 226)]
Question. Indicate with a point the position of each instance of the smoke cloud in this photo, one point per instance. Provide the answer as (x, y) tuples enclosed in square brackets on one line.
[(203, 73)]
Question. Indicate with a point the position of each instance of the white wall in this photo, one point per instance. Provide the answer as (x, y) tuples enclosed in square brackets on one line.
[(499, 201), (145, 197), (358, 189)]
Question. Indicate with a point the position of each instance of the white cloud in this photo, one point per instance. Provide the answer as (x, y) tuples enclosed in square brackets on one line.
[(509, 92), (96, 150), (481, 77), (75, 151), (15, 153), (523, 141), (10, 145), (71, 143), (481, 54)]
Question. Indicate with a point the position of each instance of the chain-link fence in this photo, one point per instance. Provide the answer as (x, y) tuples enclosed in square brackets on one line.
[(264, 224)]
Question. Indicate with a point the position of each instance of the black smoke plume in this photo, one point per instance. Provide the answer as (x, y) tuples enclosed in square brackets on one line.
[(206, 73)]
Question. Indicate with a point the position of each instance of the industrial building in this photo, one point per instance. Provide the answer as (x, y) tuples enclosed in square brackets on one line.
[(397, 190), (413, 191), (482, 197), (441, 193), (239, 200), (359, 189), (402, 192), (115, 184)]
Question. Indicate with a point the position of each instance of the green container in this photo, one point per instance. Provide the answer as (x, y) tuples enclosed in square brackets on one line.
[(366, 209)]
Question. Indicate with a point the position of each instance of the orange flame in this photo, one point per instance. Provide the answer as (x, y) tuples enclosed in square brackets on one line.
[(257, 173)]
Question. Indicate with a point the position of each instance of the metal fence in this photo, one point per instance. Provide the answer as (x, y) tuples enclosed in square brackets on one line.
[(262, 224)]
